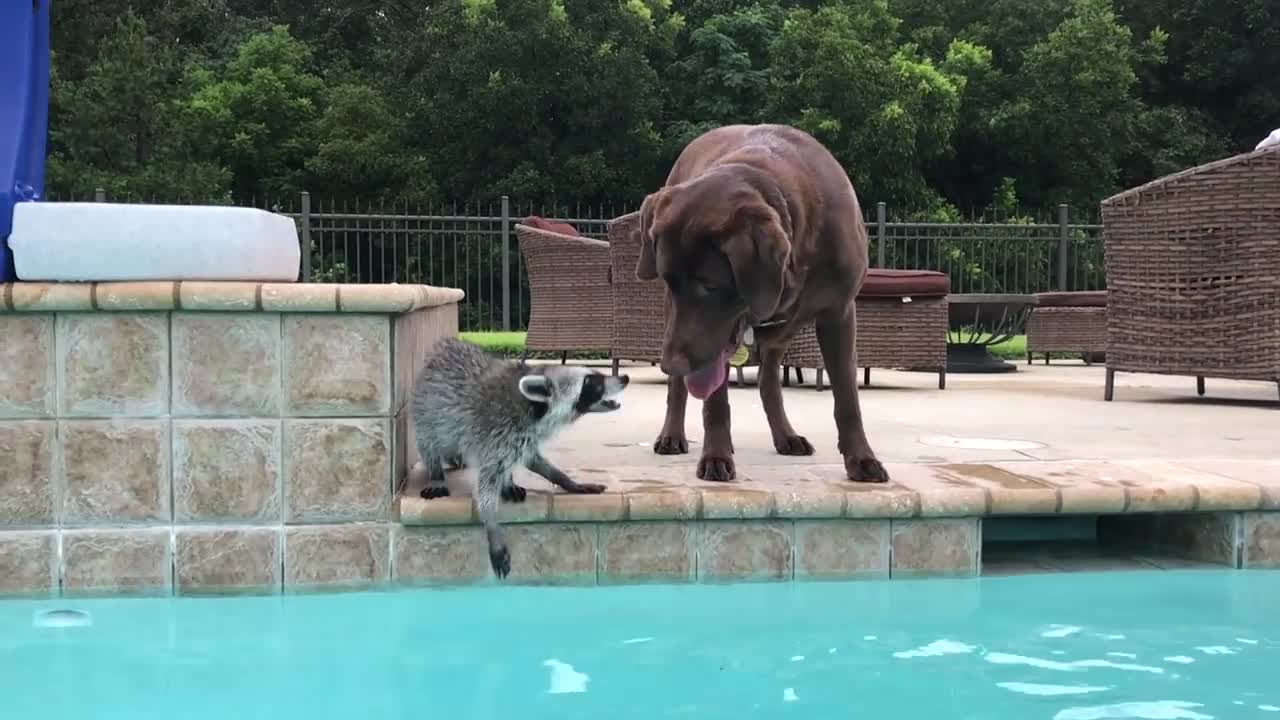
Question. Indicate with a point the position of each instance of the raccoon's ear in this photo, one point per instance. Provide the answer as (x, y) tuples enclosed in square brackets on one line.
[(535, 388)]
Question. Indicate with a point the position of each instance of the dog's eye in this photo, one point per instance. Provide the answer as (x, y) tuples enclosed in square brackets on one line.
[(702, 287)]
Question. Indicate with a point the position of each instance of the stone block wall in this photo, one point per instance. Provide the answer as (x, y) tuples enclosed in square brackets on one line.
[(205, 437)]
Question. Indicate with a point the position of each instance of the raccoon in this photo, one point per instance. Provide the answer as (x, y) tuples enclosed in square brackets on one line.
[(472, 409)]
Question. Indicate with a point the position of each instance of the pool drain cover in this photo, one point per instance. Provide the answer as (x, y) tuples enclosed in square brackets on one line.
[(976, 443), (62, 619)]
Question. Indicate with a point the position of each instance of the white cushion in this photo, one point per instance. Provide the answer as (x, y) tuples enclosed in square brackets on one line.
[(84, 242)]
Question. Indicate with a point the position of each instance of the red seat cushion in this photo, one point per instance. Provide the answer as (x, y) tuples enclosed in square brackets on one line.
[(539, 223), (1079, 298), (882, 283)]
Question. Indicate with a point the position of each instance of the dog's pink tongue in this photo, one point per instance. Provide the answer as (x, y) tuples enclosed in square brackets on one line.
[(709, 379)]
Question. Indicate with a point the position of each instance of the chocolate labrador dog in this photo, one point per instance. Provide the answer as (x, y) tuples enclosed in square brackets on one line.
[(756, 232)]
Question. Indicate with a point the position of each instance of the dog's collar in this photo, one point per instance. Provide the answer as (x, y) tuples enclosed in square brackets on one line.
[(749, 335)]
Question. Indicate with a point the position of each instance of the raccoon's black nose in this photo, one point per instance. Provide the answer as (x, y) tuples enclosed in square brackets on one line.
[(624, 380)]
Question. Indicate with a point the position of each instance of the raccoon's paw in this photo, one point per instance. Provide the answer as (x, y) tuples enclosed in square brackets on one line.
[(587, 488), (514, 493), (431, 492), (500, 559)]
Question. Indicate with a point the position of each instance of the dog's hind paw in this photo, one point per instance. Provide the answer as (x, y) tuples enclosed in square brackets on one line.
[(793, 445), (514, 493), (671, 445), (867, 470), (716, 469), (431, 492)]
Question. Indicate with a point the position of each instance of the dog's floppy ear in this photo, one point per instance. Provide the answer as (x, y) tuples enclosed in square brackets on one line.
[(758, 251), (647, 265)]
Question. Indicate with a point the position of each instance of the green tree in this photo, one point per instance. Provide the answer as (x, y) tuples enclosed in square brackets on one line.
[(363, 148), (259, 114), (1223, 61), (1079, 112), (842, 73), (723, 73), (538, 98), (119, 126)]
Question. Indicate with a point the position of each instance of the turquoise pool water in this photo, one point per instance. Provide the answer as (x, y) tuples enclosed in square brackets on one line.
[(1165, 645)]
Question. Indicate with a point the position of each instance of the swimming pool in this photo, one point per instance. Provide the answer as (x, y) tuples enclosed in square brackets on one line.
[(1169, 645)]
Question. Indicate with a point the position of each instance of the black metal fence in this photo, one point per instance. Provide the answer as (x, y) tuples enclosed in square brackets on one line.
[(473, 247)]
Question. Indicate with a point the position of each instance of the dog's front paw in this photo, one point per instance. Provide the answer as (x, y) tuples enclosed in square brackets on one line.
[(431, 492), (793, 445), (500, 559), (865, 469), (514, 493), (716, 468), (671, 444)]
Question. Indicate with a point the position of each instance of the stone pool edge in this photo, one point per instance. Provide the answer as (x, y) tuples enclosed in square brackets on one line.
[(745, 532)]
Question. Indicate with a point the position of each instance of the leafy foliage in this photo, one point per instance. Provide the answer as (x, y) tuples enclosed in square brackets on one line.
[(939, 108)]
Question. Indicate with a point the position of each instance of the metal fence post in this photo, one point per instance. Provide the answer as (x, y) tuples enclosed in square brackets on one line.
[(99, 195), (306, 236), (506, 262), (1064, 247), (880, 233)]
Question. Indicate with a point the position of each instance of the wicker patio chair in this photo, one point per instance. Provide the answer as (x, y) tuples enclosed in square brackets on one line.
[(570, 301), (1068, 322), (1193, 273), (639, 307), (902, 324)]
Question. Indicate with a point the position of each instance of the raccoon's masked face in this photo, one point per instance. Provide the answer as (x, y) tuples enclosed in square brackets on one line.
[(573, 391)]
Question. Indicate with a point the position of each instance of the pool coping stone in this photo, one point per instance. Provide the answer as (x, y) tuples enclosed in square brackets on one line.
[(916, 490)]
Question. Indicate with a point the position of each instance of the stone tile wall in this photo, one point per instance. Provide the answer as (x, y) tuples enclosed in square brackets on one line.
[(149, 452), (693, 551)]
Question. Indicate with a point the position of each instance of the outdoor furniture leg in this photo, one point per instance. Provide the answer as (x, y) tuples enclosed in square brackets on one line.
[(1111, 385), (799, 377), (564, 357), (866, 376), (742, 381), (1029, 358), (942, 379), (786, 376), (1200, 385), (819, 380)]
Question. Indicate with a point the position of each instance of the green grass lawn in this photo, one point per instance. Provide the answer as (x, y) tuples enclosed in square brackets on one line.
[(512, 344)]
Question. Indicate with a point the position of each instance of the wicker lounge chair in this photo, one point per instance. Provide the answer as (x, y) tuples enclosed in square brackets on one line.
[(902, 324), (570, 301), (1193, 273), (1068, 322)]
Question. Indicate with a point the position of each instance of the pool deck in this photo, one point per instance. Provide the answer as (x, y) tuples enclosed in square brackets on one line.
[(1036, 443)]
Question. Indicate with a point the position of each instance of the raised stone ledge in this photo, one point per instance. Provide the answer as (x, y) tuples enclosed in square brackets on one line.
[(39, 297), (820, 491)]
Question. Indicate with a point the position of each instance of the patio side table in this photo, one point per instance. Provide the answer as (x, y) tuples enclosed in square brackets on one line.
[(978, 321)]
